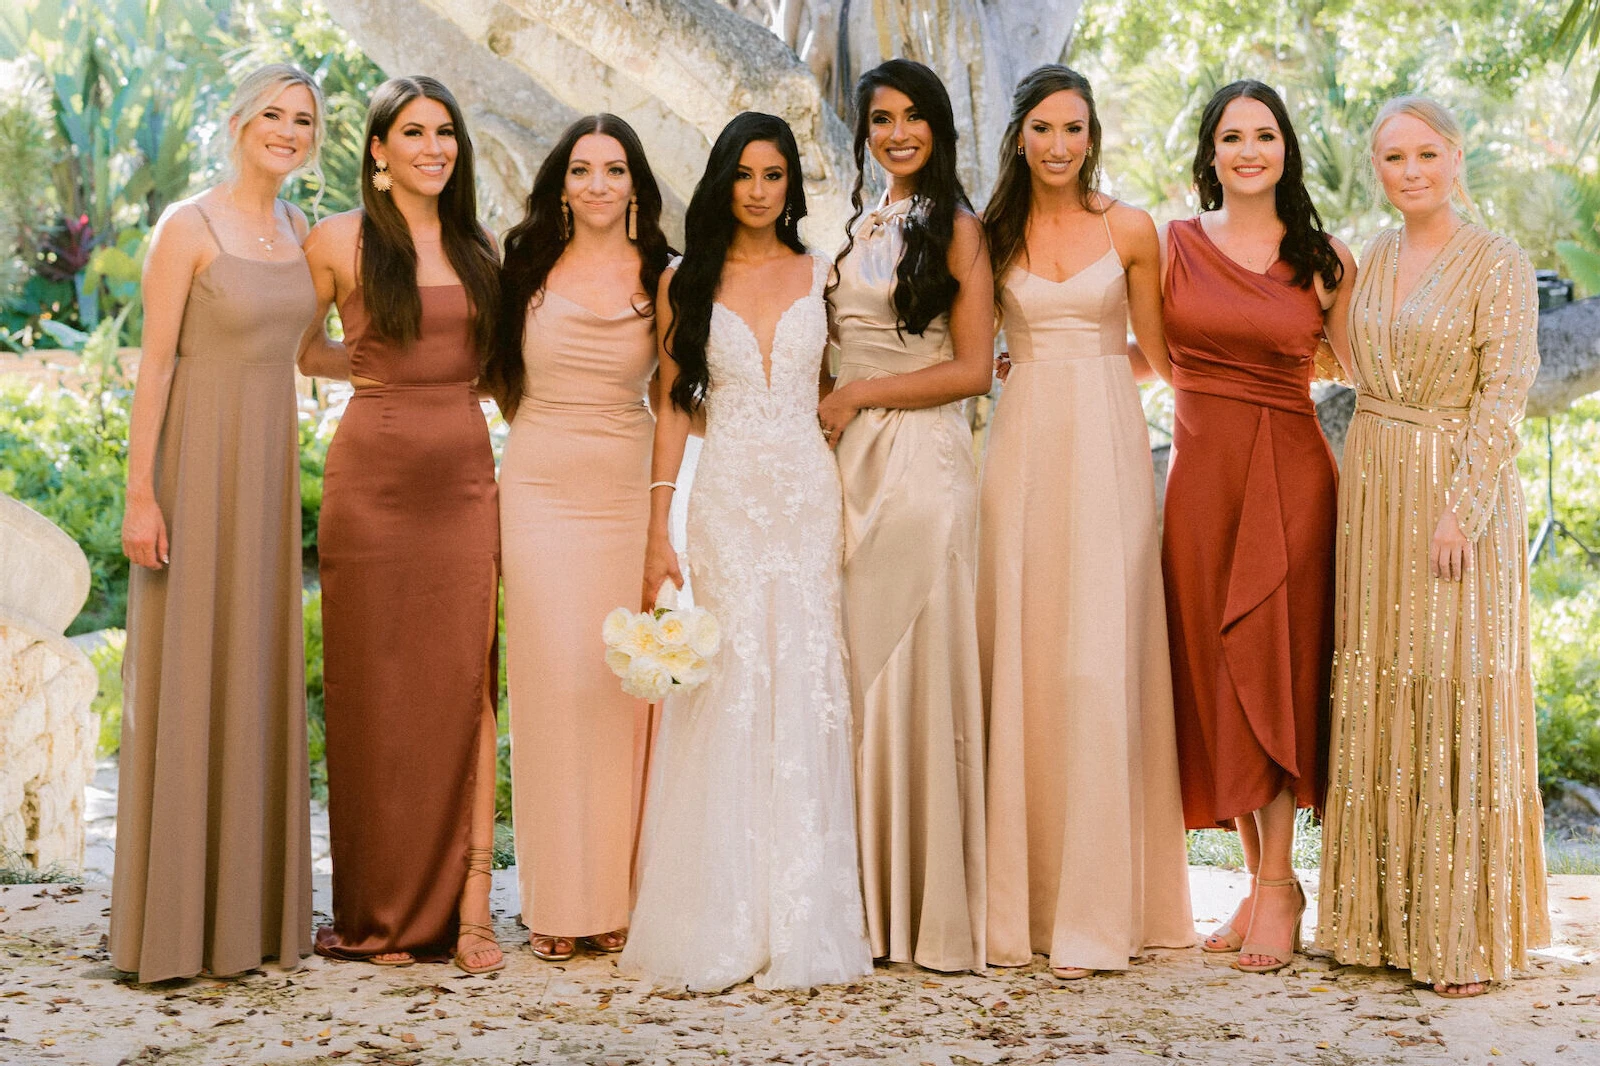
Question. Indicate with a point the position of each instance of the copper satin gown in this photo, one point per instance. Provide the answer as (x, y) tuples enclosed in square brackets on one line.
[(213, 866), (1248, 534), (409, 543), (1433, 844), (1085, 823), (910, 570), (574, 515)]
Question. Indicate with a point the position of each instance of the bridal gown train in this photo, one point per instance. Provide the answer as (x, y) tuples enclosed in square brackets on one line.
[(748, 865)]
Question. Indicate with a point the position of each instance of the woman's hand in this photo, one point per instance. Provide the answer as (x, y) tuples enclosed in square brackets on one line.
[(836, 411), (144, 533), (1451, 552), (660, 563), (1002, 366)]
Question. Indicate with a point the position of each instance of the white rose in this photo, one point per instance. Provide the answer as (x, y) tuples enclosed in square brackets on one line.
[(615, 627), (648, 678), (705, 635), (688, 668), (618, 660), (672, 629), (640, 637)]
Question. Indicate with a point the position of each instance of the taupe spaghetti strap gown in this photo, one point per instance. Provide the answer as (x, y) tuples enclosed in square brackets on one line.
[(213, 863), (409, 544)]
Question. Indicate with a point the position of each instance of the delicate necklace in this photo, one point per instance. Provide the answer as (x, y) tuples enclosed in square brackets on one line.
[(265, 242)]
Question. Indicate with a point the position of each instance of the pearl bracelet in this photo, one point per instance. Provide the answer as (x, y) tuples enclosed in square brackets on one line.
[(673, 485)]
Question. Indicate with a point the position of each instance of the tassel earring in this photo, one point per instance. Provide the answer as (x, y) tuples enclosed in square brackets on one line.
[(787, 208), (1021, 150), (633, 218), (566, 218), (380, 177)]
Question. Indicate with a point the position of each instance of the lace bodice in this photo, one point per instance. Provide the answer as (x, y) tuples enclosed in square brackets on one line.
[(740, 400)]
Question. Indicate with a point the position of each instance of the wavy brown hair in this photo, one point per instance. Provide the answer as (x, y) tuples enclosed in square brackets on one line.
[(1305, 246), (534, 244), (1005, 219), (388, 254)]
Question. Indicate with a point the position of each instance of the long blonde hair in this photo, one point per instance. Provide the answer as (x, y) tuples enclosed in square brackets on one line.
[(257, 90), (1436, 117)]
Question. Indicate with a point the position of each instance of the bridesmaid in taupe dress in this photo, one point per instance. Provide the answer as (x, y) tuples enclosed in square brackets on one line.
[(213, 870), (408, 545), (575, 353)]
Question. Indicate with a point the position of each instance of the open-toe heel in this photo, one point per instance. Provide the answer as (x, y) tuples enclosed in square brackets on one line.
[(1279, 960), (480, 861)]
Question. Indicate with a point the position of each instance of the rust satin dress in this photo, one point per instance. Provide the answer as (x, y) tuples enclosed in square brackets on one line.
[(1248, 534), (409, 546)]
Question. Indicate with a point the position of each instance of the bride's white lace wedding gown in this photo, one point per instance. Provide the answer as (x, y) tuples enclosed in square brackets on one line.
[(748, 858)]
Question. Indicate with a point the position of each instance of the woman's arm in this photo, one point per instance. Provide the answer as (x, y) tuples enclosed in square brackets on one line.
[(331, 241), (177, 249), (971, 333), (1143, 266), (672, 432), (1336, 309)]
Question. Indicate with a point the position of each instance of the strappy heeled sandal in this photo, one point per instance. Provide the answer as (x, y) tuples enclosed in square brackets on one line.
[(555, 952), (479, 861), (1459, 991), (402, 958), (1227, 938), (1267, 951), (608, 943), (1072, 973)]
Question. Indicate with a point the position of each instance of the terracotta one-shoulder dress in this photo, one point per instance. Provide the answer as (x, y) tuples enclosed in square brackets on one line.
[(1248, 534)]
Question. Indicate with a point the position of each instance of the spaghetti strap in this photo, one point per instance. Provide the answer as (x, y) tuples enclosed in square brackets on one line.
[(209, 228), (1107, 223)]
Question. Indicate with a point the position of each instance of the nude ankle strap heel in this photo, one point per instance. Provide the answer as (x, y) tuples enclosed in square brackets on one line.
[(1256, 948)]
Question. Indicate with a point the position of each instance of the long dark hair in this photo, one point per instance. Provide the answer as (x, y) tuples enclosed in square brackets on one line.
[(1305, 245), (708, 229), (924, 287), (388, 255), (534, 244), (1005, 219)]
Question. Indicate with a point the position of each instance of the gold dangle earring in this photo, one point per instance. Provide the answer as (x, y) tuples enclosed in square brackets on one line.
[(1021, 150), (633, 218), (380, 177), (786, 209), (566, 218)]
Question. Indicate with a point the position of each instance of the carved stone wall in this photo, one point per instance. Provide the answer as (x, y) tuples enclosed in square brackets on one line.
[(47, 685)]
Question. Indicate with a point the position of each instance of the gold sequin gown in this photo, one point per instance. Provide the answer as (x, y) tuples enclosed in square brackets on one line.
[(1433, 842)]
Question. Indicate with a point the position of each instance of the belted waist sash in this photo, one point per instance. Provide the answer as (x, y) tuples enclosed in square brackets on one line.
[(1443, 418)]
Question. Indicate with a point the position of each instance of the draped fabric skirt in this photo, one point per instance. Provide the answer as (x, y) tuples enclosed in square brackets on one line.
[(409, 546)]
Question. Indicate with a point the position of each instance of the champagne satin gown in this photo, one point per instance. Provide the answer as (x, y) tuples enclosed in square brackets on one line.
[(1085, 822), (1247, 546), (574, 514), (911, 552), (1433, 845), (213, 868), (409, 544)]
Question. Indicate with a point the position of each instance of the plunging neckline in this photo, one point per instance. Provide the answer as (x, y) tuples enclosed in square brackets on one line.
[(766, 357), (1424, 276)]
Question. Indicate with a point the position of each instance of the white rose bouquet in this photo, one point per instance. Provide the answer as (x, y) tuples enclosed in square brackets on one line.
[(655, 651)]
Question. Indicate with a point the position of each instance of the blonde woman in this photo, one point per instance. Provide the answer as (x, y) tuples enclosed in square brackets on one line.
[(213, 869), (1434, 858)]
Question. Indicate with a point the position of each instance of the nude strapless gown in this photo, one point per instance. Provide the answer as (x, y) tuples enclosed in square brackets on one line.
[(1085, 817), (910, 506)]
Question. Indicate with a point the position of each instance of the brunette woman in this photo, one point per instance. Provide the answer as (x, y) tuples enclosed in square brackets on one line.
[(1433, 855), (748, 861), (913, 310), (409, 543), (574, 353), (1085, 824), (213, 870), (1251, 287)]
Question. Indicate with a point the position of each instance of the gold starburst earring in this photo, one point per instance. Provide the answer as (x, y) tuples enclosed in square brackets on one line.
[(381, 179)]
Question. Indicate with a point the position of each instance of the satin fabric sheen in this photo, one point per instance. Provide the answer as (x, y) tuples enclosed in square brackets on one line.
[(1248, 532), (1086, 844), (910, 512), (574, 513), (408, 540)]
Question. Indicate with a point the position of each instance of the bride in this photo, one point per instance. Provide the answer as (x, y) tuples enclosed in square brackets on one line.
[(748, 861)]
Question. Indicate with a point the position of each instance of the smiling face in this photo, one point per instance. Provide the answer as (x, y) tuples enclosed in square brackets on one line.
[(1417, 166), (278, 139), (420, 147), (760, 185), (899, 138), (1249, 148), (598, 182), (1055, 139)]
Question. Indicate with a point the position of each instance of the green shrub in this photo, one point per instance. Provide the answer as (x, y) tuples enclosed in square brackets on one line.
[(1566, 670), (107, 659)]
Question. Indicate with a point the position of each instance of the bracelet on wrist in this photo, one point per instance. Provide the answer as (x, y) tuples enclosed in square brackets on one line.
[(673, 485)]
